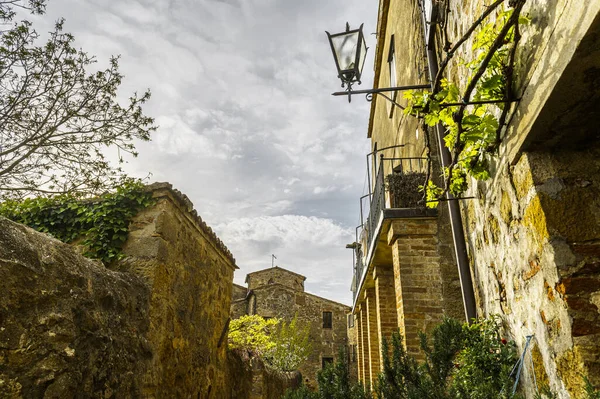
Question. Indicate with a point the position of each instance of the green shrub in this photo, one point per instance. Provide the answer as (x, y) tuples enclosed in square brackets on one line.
[(334, 383), (461, 362)]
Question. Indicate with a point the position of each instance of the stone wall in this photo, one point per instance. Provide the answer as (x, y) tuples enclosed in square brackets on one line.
[(533, 228), (251, 380), (534, 243), (190, 274), (67, 324), (155, 326), (275, 275)]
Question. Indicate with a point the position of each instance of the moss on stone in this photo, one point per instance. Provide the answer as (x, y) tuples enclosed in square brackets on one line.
[(506, 207), (570, 368), (535, 219)]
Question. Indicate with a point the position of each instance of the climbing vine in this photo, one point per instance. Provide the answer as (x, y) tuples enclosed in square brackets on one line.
[(473, 118), (99, 224)]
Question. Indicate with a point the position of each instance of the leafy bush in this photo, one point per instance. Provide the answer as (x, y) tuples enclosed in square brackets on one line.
[(101, 224), (462, 362), (281, 346), (291, 346)]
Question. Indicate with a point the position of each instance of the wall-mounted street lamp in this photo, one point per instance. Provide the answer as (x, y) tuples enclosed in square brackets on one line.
[(349, 52)]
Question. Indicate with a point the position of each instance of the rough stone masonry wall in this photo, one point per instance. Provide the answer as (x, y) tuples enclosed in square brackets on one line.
[(276, 300), (532, 230), (275, 275), (68, 325), (534, 240), (251, 380), (190, 275)]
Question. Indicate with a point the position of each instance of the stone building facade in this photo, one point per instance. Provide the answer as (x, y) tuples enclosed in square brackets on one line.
[(277, 292), (532, 229)]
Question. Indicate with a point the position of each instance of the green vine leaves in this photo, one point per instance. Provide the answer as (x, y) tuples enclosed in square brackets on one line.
[(473, 120), (100, 225)]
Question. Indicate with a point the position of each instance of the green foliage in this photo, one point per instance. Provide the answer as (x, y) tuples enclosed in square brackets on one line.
[(334, 383), (291, 346), (300, 393), (282, 346), (471, 131), (402, 377), (252, 334), (99, 224), (590, 391), (484, 363), (462, 362)]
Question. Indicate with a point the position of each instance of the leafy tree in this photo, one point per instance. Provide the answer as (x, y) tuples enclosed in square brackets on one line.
[(55, 117), (252, 334), (291, 346), (282, 346), (334, 381)]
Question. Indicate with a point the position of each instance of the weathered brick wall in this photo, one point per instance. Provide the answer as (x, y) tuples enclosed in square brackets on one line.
[(418, 277)]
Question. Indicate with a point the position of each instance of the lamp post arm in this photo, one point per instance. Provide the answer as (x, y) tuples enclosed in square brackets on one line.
[(382, 90)]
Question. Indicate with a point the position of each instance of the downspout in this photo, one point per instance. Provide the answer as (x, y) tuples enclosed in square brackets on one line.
[(460, 247)]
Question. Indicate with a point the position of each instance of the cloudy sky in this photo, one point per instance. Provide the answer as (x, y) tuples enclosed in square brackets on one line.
[(248, 128)]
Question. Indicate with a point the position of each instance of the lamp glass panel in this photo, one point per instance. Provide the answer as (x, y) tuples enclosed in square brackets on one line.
[(345, 47), (362, 56)]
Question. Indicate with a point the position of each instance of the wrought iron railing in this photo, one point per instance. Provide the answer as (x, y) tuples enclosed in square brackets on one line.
[(381, 198)]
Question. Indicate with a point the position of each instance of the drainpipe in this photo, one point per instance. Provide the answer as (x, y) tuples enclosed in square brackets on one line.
[(464, 271)]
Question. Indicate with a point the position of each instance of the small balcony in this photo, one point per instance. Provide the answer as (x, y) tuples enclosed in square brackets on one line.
[(396, 194)]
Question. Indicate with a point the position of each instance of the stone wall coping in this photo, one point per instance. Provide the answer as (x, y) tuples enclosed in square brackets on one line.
[(184, 202), (240, 286)]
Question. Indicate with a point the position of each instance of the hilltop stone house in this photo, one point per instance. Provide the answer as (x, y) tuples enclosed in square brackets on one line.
[(531, 231), (277, 292)]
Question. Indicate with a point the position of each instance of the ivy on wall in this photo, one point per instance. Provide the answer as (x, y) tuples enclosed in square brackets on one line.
[(473, 118), (100, 225)]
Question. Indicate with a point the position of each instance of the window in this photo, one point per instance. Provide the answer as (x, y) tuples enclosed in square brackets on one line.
[(392, 70), (325, 361), (327, 320), (350, 320)]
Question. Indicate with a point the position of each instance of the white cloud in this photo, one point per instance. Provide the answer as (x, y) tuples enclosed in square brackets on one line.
[(248, 128), (311, 246)]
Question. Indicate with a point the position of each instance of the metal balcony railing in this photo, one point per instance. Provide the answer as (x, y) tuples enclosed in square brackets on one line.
[(395, 186)]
